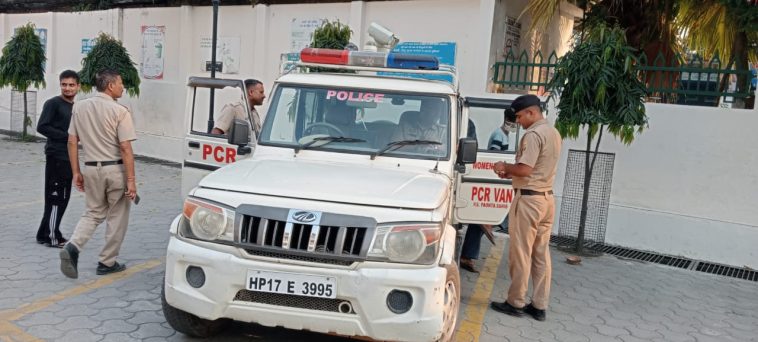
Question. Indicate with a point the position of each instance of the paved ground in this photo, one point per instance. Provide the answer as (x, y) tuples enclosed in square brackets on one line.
[(604, 299)]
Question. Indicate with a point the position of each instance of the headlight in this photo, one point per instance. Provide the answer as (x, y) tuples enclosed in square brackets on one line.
[(207, 221), (406, 243)]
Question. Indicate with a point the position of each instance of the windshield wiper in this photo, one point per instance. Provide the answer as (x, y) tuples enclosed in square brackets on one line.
[(327, 140), (397, 144)]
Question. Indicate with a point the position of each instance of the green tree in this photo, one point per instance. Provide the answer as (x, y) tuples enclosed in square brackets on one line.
[(22, 65), (728, 28), (108, 53), (331, 35), (598, 90)]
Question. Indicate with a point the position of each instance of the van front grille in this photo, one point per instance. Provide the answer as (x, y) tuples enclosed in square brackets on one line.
[(272, 231)]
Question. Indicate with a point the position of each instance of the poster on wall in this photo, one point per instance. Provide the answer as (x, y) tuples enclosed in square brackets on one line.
[(444, 51), (153, 44), (87, 44), (512, 36), (42, 34), (227, 54), (301, 33)]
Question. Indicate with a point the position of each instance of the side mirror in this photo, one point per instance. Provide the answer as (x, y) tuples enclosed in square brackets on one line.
[(467, 148), (239, 134)]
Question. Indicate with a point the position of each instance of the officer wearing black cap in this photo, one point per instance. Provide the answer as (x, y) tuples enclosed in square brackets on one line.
[(532, 211)]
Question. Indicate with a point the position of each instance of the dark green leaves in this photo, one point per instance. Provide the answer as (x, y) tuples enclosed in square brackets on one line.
[(108, 53), (598, 86), (331, 35), (22, 63)]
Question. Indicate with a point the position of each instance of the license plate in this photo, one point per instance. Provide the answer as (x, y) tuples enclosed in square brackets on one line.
[(291, 284)]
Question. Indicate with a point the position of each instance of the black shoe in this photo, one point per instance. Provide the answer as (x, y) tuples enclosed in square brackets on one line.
[(42, 242), (103, 270), (534, 312), (507, 309), (69, 260)]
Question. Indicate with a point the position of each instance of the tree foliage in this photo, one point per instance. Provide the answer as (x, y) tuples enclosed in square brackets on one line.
[(331, 35), (598, 86), (22, 63), (729, 27), (108, 53), (712, 26)]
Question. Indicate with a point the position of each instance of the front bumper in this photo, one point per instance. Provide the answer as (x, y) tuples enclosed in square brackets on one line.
[(366, 288)]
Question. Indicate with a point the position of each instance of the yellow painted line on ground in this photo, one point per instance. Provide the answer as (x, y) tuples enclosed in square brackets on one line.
[(12, 333), (471, 325), (38, 305)]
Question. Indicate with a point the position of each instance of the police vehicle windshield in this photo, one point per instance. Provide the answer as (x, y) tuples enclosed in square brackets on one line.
[(362, 121)]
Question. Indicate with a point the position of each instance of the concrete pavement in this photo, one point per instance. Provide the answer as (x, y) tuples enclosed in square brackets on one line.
[(604, 299)]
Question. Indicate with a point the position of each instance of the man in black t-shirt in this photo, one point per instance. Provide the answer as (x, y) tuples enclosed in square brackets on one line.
[(53, 124)]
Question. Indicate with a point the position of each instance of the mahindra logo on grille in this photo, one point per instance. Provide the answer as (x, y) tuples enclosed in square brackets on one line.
[(304, 216)]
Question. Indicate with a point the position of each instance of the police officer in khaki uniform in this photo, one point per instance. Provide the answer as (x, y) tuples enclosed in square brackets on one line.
[(532, 211), (236, 110), (105, 130)]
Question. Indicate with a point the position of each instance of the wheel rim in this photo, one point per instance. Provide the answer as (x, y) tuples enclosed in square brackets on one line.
[(450, 312)]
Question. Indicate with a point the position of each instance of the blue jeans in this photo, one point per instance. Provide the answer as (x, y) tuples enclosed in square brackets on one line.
[(472, 240)]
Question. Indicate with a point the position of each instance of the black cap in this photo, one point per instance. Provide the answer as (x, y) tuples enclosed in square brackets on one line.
[(524, 101)]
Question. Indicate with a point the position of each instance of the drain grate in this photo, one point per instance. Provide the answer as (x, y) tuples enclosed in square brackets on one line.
[(663, 259), (726, 270)]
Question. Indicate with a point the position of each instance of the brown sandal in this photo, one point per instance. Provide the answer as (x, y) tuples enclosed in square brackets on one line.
[(468, 265)]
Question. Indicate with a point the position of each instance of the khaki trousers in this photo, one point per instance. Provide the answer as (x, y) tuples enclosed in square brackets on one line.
[(531, 220), (104, 188)]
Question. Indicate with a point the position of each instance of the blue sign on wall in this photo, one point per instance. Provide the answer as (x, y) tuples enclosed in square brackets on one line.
[(444, 51), (87, 45)]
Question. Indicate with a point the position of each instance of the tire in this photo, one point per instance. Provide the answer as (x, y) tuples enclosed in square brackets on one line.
[(187, 323), (452, 303)]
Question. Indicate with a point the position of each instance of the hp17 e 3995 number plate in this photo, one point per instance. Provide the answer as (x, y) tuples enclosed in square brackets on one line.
[(291, 284)]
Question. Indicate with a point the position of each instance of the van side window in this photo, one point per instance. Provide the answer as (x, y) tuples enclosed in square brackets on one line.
[(492, 132), (223, 98)]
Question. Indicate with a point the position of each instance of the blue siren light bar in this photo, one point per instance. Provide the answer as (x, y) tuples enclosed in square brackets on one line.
[(369, 59)]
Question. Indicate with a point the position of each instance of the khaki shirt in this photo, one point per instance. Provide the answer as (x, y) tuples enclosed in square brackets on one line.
[(540, 149), (101, 124), (236, 110)]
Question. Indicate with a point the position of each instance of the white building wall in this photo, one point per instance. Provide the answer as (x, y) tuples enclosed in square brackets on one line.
[(686, 186)]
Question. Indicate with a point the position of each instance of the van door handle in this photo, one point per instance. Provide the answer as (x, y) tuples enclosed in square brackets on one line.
[(194, 144)]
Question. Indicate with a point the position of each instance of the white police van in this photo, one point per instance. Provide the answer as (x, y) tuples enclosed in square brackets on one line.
[(345, 218)]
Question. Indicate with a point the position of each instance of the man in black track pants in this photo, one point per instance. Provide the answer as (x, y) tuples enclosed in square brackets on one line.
[(53, 124)]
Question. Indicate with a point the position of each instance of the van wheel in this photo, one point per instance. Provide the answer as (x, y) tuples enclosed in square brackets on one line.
[(187, 323), (452, 303)]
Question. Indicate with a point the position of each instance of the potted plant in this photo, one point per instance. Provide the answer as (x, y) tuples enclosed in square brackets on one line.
[(108, 53)]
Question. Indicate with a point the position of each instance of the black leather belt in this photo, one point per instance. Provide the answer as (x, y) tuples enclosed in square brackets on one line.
[(527, 192), (104, 163)]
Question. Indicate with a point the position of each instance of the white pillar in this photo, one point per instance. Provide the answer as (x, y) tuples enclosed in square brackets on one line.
[(261, 44), (185, 44), (52, 46), (483, 36), (357, 18)]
